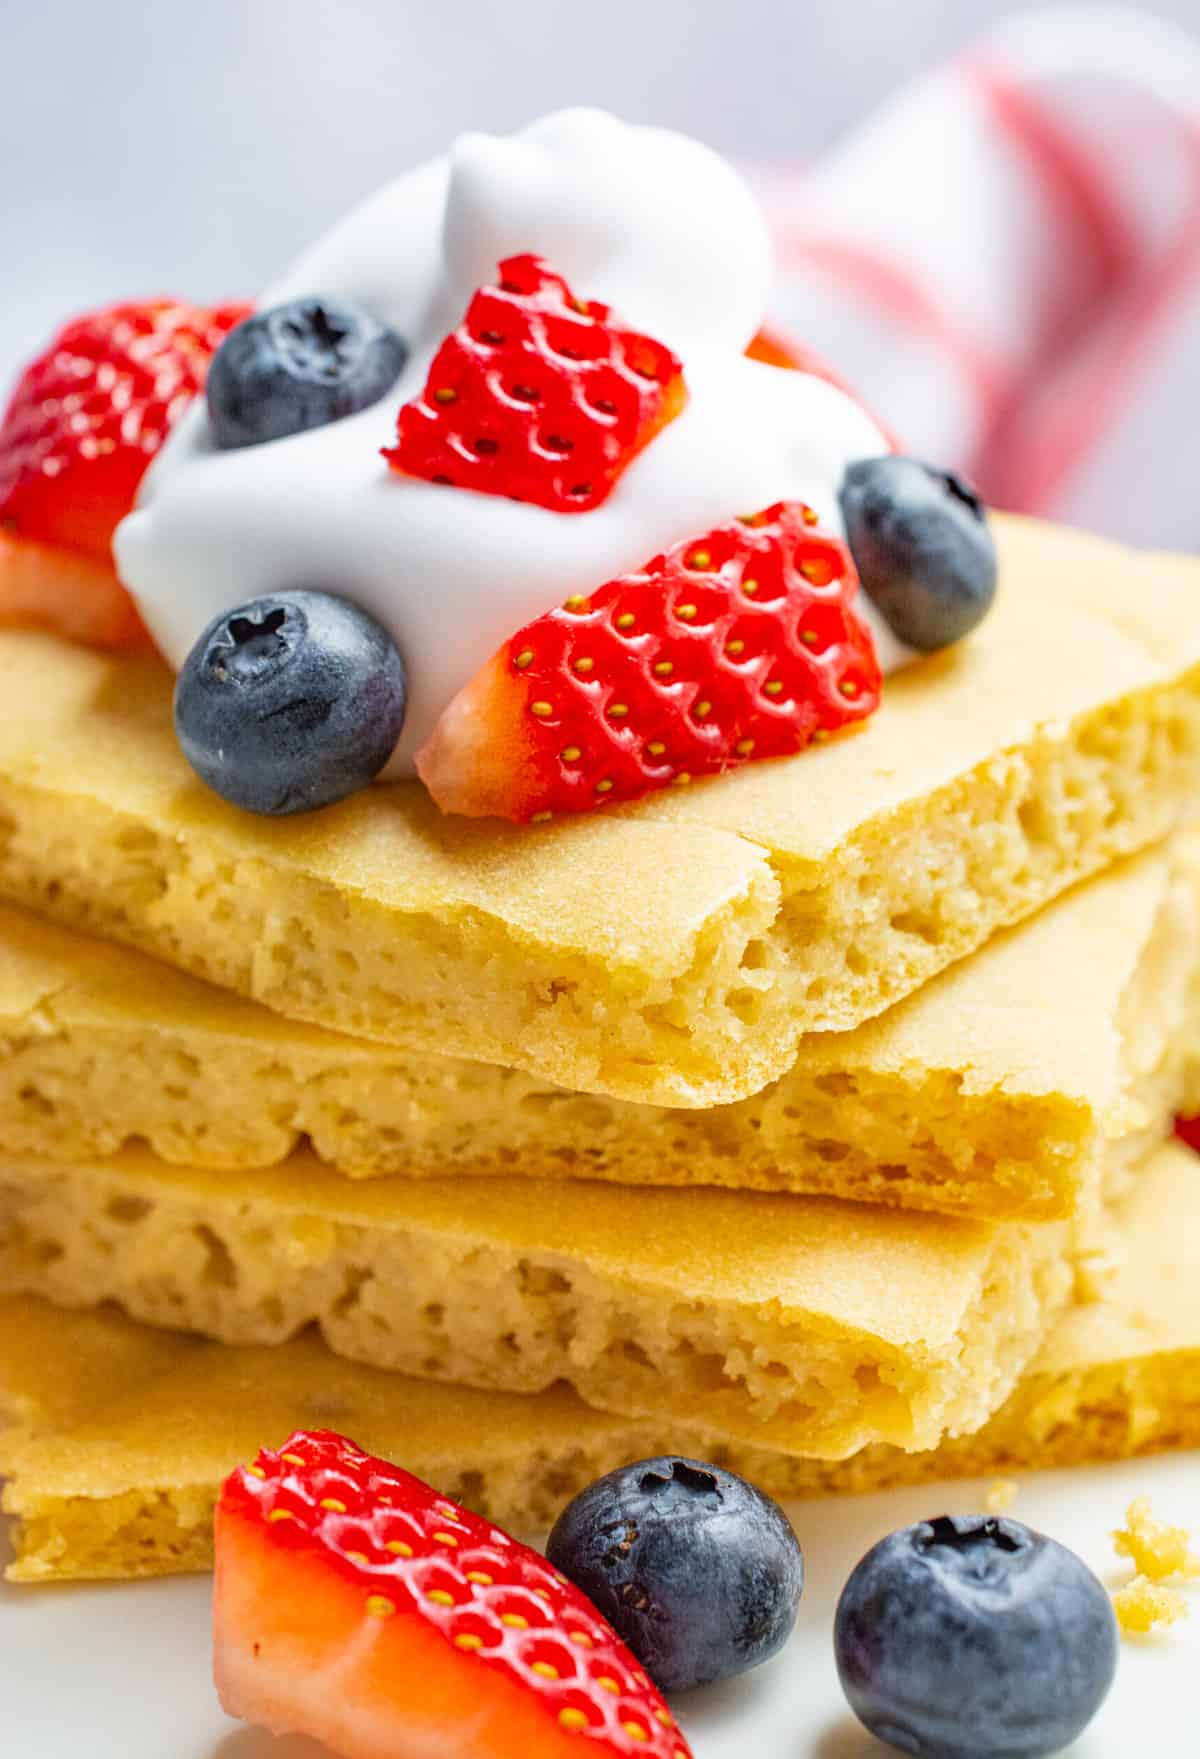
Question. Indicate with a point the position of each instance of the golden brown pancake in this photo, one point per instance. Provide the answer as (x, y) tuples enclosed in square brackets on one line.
[(120, 1434), (674, 952), (995, 1090)]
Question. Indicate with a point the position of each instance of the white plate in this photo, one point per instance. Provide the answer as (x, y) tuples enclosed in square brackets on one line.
[(121, 1672)]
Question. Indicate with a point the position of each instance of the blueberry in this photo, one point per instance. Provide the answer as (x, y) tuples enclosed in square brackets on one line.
[(290, 702), (298, 366), (923, 548), (699, 1573), (974, 1638)]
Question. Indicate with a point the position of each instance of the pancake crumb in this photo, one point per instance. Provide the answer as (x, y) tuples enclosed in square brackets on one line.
[(1158, 1552), (1143, 1606), (1001, 1496), (1095, 1270)]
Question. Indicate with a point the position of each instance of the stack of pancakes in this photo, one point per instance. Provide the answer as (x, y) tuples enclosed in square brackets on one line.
[(815, 1120)]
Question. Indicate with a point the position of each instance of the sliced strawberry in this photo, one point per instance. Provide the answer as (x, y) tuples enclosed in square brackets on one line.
[(66, 592), (740, 644), (538, 396), (88, 415), (356, 1605), (81, 427)]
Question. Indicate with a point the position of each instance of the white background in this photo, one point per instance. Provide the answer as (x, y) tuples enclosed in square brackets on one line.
[(190, 146), (123, 1672)]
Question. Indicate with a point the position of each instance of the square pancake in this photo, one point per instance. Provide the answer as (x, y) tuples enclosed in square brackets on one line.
[(996, 1090), (810, 1325), (118, 1435), (673, 952)]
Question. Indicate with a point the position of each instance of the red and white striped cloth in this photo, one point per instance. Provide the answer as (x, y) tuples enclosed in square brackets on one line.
[(1005, 263)]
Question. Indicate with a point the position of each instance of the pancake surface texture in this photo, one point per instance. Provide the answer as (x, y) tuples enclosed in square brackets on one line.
[(807, 1324), (993, 1091), (118, 1435), (674, 952)]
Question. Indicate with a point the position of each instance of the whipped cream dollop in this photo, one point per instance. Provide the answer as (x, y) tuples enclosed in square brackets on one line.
[(651, 222)]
